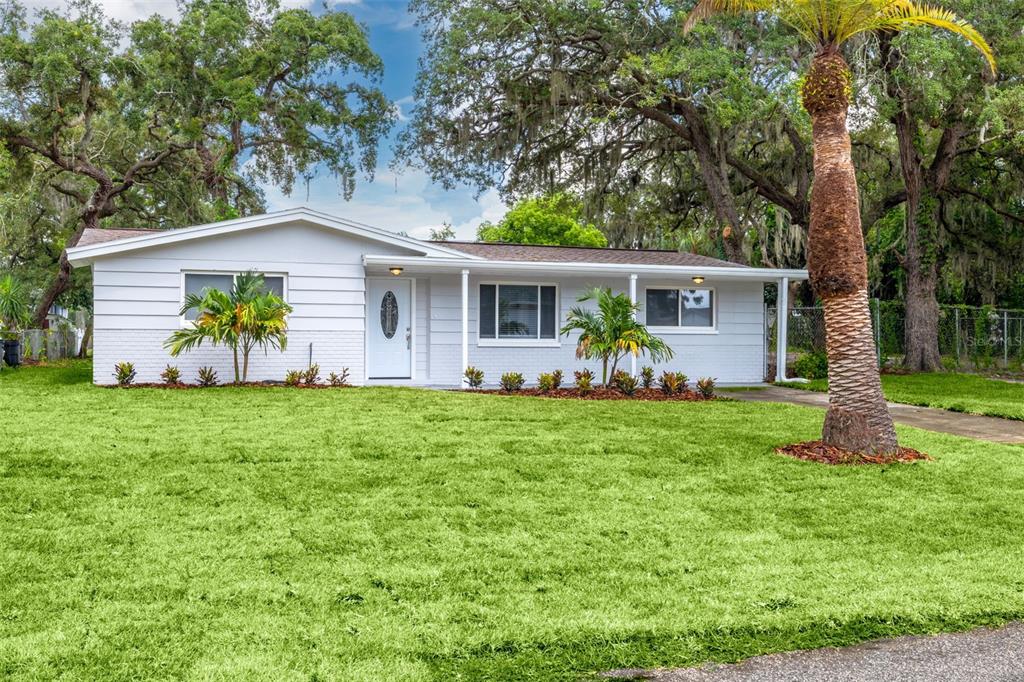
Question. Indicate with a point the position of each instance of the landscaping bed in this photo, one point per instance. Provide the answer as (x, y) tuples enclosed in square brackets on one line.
[(649, 394), (817, 451)]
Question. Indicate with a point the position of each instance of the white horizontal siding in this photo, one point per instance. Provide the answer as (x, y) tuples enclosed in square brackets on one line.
[(735, 354), (138, 296)]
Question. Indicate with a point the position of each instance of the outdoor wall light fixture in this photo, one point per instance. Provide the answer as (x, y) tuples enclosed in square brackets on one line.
[(396, 271), (699, 279)]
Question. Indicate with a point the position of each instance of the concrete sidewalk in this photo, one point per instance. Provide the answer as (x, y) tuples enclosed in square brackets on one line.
[(959, 424), (981, 655)]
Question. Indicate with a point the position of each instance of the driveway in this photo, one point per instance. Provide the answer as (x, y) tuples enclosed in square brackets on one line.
[(929, 418), (981, 655)]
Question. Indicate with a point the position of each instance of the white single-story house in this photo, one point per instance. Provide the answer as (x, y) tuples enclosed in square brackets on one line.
[(398, 310)]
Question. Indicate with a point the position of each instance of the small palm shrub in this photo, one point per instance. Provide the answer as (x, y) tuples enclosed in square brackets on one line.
[(124, 373), (625, 382), (706, 387), (474, 377), (546, 382), (647, 376), (584, 381), (171, 375), (311, 377), (338, 380), (556, 379), (512, 381), (207, 377), (293, 377), (672, 383)]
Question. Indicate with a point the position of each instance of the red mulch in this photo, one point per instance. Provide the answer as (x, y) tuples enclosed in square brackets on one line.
[(816, 451), (596, 394)]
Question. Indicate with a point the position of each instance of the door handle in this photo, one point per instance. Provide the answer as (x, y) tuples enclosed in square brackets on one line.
[(408, 337)]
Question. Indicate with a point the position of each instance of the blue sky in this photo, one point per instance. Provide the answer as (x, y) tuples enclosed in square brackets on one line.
[(405, 201)]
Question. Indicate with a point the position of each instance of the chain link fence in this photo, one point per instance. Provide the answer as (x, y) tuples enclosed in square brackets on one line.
[(970, 338)]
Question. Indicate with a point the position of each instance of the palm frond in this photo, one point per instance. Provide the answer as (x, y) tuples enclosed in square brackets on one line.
[(709, 8), (898, 15)]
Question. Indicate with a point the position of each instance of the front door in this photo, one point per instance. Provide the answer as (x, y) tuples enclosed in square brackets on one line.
[(389, 328)]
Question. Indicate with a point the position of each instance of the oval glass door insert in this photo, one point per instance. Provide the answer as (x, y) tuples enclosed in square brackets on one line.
[(389, 315)]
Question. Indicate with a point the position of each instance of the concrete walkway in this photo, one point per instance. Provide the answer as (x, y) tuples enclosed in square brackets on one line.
[(930, 418), (981, 655)]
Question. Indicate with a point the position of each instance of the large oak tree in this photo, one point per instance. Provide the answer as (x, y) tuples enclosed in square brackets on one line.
[(232, 93)]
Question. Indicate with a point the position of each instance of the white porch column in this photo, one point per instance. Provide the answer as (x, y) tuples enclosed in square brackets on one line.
[(465, 324), (632, 299), (782, 327)]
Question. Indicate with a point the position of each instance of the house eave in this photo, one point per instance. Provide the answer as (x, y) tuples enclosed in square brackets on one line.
[(85, 255), (451, 265)]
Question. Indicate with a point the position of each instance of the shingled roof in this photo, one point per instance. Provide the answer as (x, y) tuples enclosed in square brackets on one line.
[(577, 254), (102, 235), (526, 253)]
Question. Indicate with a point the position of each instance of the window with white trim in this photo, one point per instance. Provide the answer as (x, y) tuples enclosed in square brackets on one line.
[(684, 308), (198, 282), (518, 311)]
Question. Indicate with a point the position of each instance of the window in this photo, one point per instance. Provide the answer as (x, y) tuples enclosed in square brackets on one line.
[(689, 308), (518, 311), (197, 282)]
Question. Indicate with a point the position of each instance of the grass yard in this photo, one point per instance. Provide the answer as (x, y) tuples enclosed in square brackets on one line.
[(401, 534), (957, 392)]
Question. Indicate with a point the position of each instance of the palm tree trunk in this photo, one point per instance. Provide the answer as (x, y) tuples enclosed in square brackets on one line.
[(234, 353), (858, 418)]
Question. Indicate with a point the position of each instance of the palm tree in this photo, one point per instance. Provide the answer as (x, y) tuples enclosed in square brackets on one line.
[(246, 317), (858, 418), (611, 332), (14, 305)]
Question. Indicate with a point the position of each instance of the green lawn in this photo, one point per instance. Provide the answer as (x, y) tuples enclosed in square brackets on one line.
[(957, 392), (400, 534)]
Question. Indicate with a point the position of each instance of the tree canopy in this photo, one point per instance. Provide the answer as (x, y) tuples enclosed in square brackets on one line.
[(171, 122), (554, 220)]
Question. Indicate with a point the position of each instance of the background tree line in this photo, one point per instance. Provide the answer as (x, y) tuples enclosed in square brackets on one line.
[(700, 143), (606, 110)]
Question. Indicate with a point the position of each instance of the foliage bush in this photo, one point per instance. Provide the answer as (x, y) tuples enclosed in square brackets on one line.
[(584, 381), (293, 377), (546, 382), (647, 376), (706, 387), (625, 382), (512, 381), (474, 377), (171, 375), (311, 377), (338, 380), (124, 373), (672, 383), (813, 365), (556, 378), (207, 377)]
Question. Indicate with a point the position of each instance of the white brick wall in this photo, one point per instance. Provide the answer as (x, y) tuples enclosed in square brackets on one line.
[(331, 350)]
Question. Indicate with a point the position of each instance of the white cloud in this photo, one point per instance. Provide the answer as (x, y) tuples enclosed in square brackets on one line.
[(403, 202)]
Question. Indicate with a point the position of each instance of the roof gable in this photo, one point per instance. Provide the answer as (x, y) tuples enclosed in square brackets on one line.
[(98, 243)]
